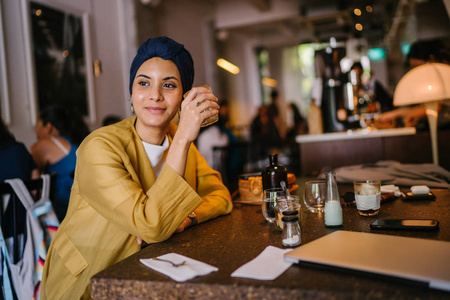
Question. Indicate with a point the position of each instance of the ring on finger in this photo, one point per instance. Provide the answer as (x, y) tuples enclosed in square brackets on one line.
[(198, 103)]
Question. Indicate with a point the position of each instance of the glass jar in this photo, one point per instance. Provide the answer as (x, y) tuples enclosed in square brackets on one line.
[(291, 229), (285, 203)]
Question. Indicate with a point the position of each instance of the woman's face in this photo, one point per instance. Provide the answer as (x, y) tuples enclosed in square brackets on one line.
[(157, 92)]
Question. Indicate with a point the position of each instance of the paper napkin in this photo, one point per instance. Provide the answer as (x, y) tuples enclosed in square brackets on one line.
[(192, 268), (391, 189), (266, 266)]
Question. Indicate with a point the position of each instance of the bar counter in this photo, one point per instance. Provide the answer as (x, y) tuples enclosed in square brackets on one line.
[(230, 241), (333, 150)]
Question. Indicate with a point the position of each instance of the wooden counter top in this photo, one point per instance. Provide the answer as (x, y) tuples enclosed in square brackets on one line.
[(355, 135), (230, 241)]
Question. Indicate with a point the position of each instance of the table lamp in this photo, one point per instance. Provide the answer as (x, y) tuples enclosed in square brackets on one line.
[(427, 84)]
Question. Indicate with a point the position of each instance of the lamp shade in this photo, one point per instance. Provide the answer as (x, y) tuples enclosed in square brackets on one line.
[(425, 83)]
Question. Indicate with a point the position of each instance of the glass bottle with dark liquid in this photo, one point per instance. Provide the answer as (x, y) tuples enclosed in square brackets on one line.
[(273, 174)]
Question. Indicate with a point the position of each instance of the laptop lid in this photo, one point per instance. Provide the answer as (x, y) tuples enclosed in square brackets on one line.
[(402, 257)]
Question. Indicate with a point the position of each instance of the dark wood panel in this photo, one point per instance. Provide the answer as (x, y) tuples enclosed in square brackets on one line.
[(405, 149), (332, 154), (409, 149)]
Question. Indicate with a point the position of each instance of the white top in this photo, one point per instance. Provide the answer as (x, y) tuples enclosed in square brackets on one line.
[(354, 135), (157, 155), (208, 139)]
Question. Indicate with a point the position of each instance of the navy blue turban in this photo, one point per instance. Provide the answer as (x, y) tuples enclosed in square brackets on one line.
[(165, 48)]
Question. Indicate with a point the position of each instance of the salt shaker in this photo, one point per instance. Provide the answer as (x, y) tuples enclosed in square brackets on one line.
[(291, 229), (333, 209)]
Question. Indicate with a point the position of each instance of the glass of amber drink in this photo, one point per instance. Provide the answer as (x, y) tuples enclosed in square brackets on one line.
[(209, 120)]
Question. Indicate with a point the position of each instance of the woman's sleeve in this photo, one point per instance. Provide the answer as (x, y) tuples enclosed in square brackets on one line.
[(216, 197), (107, 181)]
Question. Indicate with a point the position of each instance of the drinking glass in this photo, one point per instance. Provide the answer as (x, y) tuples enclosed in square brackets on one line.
[(314, 195), (209, 120), (269, 202), (367, 197)]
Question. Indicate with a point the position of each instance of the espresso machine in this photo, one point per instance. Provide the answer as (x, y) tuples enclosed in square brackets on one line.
[(333, 100)]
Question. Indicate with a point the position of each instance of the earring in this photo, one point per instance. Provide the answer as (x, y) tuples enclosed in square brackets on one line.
[(132, 108)]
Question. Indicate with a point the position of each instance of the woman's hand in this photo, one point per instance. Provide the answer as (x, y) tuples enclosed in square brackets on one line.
[(414, 115), (390, 116), (410, 115), (195, 109), (186, 223)]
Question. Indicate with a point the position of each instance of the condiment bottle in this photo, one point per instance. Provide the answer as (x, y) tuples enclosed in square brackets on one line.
[(274, 173), (291, 229), (333, 209)]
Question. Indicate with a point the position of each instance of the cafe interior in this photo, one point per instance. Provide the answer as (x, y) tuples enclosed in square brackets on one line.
[(341, 79)]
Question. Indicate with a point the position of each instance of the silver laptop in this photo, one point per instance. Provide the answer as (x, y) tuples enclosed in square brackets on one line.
[(414, 259)]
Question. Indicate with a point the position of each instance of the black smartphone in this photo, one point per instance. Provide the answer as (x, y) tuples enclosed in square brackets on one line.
[(411, 196), (404, 224)]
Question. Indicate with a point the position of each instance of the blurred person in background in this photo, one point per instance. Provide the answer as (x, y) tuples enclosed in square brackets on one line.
[(264, 134), (59, 131), (111, 119), (228, 159), (295, 123), (421, 52), (273, 112), (15, 162), (215, 135), (371, 89)]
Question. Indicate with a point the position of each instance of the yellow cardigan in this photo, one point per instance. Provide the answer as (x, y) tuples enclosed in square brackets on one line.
[(116, 198)]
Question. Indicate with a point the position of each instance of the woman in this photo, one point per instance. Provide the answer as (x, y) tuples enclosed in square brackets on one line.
[(15, 162), (141, 178), (59, 131)]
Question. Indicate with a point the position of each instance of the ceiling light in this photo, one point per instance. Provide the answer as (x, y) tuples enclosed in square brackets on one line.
[(376, 54), (269, 82), (224, 64), (358, 27), (333, 42), (357, 11), (369, 8)]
